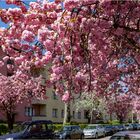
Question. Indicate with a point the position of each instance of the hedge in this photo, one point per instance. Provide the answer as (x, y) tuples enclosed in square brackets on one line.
[(3, 129)]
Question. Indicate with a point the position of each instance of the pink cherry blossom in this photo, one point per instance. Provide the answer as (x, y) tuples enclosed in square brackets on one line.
[(28, 36)]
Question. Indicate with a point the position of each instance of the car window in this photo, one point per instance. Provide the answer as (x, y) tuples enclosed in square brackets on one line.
[(67, 128), (49, 126), (91, 127), (20, 128), (38, 128), (76, 127)]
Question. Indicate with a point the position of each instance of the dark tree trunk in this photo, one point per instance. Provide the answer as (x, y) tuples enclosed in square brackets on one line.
[(120, 118), (10, 120)]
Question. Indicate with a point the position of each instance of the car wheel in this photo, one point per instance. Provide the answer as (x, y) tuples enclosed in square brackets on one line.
[(96, 136), (104, 134), (82, 137), (68, 137)]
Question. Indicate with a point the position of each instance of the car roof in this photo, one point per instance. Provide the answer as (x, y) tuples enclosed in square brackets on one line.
[(38, 122), (71, 126), (94, 124)]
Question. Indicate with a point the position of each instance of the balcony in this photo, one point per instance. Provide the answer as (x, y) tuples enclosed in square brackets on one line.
[(39, 111)]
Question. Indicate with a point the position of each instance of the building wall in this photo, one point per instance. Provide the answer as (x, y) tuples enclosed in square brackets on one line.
[(55, 110), (21, 114)]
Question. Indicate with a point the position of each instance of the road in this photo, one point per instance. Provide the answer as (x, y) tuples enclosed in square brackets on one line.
[(106, 138)]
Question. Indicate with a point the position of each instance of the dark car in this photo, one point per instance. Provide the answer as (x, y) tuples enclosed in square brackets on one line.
[(126, 135), (39, 129), (135, 126), (128, 127), (121, 127), (70, 132), (109, 129)]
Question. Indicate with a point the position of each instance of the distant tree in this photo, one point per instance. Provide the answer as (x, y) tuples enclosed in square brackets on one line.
[(91, 103), (120, 105), (14, 90)]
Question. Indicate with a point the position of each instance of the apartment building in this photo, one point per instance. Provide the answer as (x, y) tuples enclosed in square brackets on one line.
[(50, 109), (53, 107)]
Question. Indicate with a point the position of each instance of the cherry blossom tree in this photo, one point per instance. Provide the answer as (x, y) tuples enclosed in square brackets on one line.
[(14, 90), (84, 40), (120, 105)]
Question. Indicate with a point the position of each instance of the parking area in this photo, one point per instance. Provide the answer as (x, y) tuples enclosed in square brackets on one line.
[(105, 138)]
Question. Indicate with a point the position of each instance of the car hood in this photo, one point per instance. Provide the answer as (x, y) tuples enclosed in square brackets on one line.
[(13, 135), (62, 132), (89, 130)]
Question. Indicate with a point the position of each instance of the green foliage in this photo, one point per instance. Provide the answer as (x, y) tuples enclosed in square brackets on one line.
[(3, 129), (58, 127), (82, 126), (114, 122)]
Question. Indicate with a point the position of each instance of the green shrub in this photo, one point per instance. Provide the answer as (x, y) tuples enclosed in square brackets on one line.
[(58, 127), (83, 126), (114, 122), (3, 129)]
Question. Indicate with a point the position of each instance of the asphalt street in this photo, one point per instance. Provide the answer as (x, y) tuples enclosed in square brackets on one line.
[(105, 138)]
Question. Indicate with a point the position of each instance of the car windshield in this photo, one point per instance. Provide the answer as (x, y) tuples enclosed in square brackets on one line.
[(108, 126), (19, 128), (91, 127), (66, 128)]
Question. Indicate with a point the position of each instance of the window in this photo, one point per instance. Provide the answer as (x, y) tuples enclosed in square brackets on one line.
[(73, 114), (55, 113), (28, 111), (62, 113), (55, 97), (36, 128), (79, 115)]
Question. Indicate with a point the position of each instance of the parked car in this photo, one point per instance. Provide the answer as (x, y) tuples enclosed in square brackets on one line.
[(109, 129), (121, 127), (32, 130), (94, 131), (70, 132), (138, 126), (135, 126), (128, 127), (126, 135)]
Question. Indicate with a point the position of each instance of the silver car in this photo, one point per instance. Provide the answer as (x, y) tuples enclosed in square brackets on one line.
[(94, 131)]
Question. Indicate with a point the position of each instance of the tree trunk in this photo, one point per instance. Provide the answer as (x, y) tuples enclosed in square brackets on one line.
[(67, 113), (110, 117), (121, 119), (10, 120), (91, 116)]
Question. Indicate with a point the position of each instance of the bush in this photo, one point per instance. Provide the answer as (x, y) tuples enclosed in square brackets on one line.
[(83, 126), (58, 127), (114, 122), (3, 129)]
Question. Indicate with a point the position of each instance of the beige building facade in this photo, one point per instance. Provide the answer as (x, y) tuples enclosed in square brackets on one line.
[(53, 107)]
